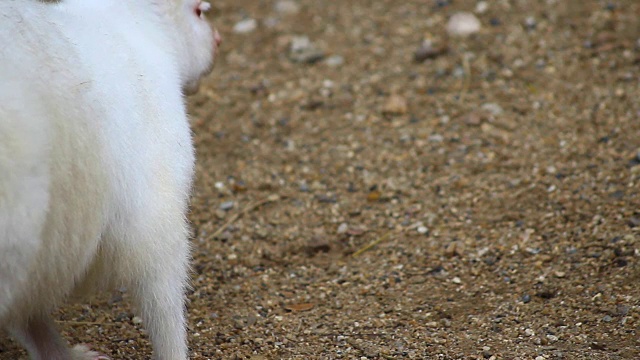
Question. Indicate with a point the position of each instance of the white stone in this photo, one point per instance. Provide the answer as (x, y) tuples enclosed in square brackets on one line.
[(482, 7), (463, 24), (493, 108), (335, 60), (245, 26), (287, 7)]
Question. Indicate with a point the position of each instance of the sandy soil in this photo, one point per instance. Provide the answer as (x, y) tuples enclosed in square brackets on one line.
[(352, 201)]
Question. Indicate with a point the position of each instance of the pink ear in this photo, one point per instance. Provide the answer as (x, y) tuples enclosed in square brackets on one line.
[(204, 6)]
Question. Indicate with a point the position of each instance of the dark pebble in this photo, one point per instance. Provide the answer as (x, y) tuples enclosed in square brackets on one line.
[(317, 245), (621, 262), (436, 270), (326, 199), (123, 317), (429, 51), (490, 260), (622, 310), (619, 194), (546, 293)]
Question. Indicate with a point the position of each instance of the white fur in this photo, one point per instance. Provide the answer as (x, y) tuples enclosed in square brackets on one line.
[(96, 161)]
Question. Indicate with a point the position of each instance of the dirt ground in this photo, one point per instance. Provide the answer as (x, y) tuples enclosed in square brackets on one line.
[(354, 200)]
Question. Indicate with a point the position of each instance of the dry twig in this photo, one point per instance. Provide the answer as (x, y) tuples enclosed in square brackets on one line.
[(88, 323), (373, 243)]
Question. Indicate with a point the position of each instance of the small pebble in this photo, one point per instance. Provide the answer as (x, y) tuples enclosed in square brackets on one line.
[(428, 50), (458, 72), (304, 187), (317, 245), (327, 199), (493, 109), (622, 310), (463, 24), (245, 26), (455, 248), (530, 22), (227, 205), (436, 138), (287, 7), (335, 60), (302, 50), (482, 7), (395, 105)]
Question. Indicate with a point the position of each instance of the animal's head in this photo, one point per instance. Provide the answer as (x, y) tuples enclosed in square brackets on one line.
[(196, 42)]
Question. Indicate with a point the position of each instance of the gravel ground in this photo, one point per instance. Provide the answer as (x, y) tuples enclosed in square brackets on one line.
[(372, 187)]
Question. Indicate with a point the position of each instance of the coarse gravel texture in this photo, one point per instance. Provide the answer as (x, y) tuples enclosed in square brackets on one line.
[(477, 199)]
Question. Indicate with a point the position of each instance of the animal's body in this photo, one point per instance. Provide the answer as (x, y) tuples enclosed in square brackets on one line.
[(96, 161)]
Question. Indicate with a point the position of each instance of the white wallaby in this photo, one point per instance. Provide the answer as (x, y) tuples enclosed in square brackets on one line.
[(96, 161)]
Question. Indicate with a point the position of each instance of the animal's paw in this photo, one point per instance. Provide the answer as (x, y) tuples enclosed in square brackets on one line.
[(82, 352)]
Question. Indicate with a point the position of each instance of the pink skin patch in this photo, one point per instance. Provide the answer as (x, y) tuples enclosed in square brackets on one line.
[(84, 350), (217, 37)]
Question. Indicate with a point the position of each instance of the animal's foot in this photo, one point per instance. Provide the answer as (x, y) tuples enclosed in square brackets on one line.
[(82, 352)]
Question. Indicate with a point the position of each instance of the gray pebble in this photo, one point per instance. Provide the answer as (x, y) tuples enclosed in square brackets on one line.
[(335, 60), (302, 50), (227, 205)]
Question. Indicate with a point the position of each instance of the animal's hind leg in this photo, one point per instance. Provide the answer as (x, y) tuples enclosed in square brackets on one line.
[(159, 272), (43, 341)]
